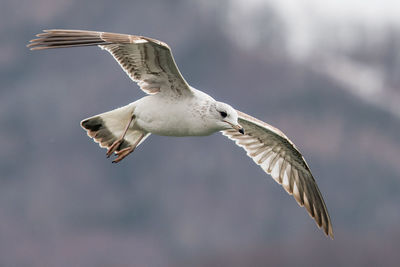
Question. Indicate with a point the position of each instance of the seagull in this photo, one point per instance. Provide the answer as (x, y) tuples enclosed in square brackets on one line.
[(174, 108)]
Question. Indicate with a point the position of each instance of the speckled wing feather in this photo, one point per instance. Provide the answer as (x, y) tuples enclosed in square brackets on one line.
[(147, 61), (278, 156)]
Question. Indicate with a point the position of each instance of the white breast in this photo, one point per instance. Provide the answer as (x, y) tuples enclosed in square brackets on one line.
[(173, 117)]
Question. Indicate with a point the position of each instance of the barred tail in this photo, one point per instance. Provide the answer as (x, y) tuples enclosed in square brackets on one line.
[(107, 127)]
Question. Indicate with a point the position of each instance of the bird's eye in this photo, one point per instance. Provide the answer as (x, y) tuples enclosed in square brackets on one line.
[(223, 114)]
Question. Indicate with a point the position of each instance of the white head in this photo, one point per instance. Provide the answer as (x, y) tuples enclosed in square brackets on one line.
[(225, 117)]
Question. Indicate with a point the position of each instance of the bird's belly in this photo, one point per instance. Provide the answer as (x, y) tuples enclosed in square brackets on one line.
[(173, 126), (175, 122), (170, 117)]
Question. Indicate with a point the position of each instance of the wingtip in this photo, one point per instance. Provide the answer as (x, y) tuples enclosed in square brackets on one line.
[(43, 33), (328, 230), (30, 44), (38, 48), (330, 234)]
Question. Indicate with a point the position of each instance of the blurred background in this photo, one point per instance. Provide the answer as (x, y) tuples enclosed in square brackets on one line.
[(324, 72)]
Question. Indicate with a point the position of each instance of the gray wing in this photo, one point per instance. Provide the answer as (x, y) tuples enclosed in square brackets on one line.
[(147, 61), (278, 156)]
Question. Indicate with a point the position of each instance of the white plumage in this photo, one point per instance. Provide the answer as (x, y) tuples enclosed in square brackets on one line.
[(174, 108)]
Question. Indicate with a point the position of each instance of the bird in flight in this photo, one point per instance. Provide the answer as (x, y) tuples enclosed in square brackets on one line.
[(174, 108)]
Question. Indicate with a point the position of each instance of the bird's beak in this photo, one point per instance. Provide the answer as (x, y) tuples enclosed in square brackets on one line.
[(237, 127)]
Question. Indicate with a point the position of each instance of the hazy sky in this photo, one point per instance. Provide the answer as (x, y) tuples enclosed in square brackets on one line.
[(373, 11)]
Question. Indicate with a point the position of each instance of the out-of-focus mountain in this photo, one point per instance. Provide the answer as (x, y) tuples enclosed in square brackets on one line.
[(196, 201), (356, 44)]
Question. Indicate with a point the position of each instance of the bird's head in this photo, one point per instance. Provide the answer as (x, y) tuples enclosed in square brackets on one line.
[(226, 117)]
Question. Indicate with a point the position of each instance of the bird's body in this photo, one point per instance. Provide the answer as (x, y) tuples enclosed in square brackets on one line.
[(187, 115), (174, 108)]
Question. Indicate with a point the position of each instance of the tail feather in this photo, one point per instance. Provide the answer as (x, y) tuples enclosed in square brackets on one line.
[(107, 127), (96, 128)]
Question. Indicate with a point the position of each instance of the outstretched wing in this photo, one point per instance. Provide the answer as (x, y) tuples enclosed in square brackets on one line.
[(147, 61), (278, 156)]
